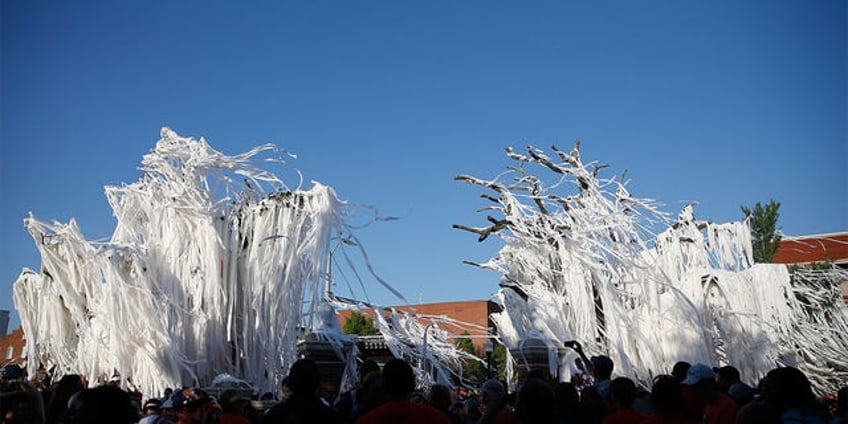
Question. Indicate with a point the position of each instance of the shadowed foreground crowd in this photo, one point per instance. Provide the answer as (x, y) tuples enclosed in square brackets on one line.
[(689, 394)]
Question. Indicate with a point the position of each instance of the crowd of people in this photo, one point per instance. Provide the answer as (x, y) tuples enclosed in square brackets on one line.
[(696, 393)]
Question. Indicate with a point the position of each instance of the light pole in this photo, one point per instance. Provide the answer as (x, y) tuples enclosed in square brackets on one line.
[(489, 347)]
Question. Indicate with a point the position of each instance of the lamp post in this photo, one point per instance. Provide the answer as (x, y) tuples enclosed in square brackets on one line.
[(489, 347)]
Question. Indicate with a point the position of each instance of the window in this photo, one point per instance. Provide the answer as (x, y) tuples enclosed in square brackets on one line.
[(9, 352)]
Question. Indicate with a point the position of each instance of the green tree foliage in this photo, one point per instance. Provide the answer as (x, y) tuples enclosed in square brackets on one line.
[(499, 361), (764, 235), (472, 371), (476, 372), (359, 324)]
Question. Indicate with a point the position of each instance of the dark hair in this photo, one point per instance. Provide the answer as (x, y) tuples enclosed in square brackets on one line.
[(535, 402), (623, 391), (440, 397), (398, 378), (304, 377), (368, 367), (679, 370), (787, 388), (566, 396), (61, 393), (729, 373), (104, 404), (21, 401), (666, 394), (602, 366)]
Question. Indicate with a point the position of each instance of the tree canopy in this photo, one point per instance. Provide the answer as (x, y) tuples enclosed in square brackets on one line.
[(765, 238), (359, 324)]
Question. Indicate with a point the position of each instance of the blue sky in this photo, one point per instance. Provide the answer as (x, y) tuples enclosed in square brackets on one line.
[(722, 102)]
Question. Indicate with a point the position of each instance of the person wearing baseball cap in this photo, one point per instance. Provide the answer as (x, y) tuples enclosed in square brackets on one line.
[(194, 406), (233, 405), (718, 407)]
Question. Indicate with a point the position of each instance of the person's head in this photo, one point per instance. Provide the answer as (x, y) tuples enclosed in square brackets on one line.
[(492, 391), (788, 388), (602, 367), (304, 378), (535, 402), (666, 395), (168, 392), (566, 397), (440, 397), (756, 413), (701, 378), (368, 367), (591, 401), (20, 402), (726, 376), (471, 408), (398, 379), (371, 390), (622, 392), (152, 406), (233, 401), (285, 388), (62, 391), (104, 404), (193, 406), (679, 370), (842, 402), (741, 393), (167, 409)]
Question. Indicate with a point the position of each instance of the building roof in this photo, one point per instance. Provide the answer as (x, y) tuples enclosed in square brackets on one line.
[(473, 312), (832, 247)]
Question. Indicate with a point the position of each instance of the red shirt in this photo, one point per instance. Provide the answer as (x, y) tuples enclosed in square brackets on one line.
[(403, 411), (227, 418), (669, 419), (624, 416), (722, 411)]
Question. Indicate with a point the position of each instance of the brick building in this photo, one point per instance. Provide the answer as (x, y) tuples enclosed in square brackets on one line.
[(474, 312), (12, 348), (817, 248)]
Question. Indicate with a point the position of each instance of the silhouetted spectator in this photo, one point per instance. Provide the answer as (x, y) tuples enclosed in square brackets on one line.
[(757, 412), (592, 405), (667, 401), (233, 406), (192, 405), (303, 405), (60, 394), (470, 411), (729, 382), (440, 398), (398, 385), (349, 401), (622, 394), (841, 413), (566, 404), (150, 411), (602, 367), (535, 402), (495, 404), (787, 390), (718, 407), (679, 370), (20, 402), (105, 404)]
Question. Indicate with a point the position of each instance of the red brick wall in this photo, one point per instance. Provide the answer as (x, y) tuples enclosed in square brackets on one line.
[(15, 341)]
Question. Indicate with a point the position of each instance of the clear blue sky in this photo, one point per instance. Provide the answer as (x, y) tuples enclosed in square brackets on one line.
[(721, 102)]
